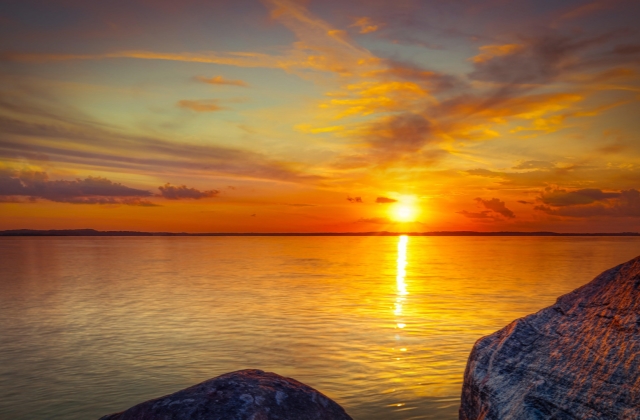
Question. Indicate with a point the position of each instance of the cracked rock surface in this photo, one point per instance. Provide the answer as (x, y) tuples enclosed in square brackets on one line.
[(243, 395), (577, 359)]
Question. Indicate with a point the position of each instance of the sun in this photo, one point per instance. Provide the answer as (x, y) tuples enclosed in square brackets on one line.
[(404, 212)]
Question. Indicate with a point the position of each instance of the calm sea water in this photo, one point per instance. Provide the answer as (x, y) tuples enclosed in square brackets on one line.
[(383, 325)]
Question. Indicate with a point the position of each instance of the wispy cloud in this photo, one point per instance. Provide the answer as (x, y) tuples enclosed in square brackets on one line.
[(589, 8), (537, 59), (219, 80), (65, 139), (375, 220), (238, 59), (534, 164), (365, 25), (208, 105), (173, 192)]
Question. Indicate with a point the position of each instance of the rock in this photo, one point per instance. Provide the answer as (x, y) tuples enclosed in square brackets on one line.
[(577, 359), (243, 395)]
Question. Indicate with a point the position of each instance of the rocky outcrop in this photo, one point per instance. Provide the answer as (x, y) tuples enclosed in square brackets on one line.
[(243, 395), (577, 359)]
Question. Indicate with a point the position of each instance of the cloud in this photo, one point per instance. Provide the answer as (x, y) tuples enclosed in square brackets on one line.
[(385, 200), (108, 201), (525, 202), (561, 198), (627, 49), (239, 59), (625, 203), (534, 164), (412, 40), (430, 80), (219, 80), (489, 52), (536, 60), (375, 220), (320, 48), (365, 25), (386, 98), (402, 138), (91, 190), (494, 107), (497, 206), (9, 199), (486, 173), (496, 210), (375, 96), (398, 135), (207, 105), (478, 215), (541, 177), (589, 8), (172, 192), (37, 132), (612, 149)]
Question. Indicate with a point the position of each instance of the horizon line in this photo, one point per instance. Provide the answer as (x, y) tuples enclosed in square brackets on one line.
[(94, 232)]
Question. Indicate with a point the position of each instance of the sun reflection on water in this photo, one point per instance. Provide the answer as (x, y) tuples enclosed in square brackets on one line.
[(402, 264), (401, 293), (400, 277)]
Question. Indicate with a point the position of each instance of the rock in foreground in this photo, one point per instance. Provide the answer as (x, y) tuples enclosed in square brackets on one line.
[(577, 359), (243, 395)]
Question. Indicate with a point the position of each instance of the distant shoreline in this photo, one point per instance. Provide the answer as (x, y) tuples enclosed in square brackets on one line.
[(92, 232)]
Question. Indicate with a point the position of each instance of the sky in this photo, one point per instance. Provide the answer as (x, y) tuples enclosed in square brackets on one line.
[(320, 116)]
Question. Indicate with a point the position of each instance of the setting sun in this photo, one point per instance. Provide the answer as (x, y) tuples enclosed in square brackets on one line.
[(403, 212)]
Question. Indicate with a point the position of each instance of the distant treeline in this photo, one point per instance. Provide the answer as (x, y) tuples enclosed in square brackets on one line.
[(93, 232)]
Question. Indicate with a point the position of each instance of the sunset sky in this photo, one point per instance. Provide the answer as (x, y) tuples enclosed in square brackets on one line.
[(312, 116)]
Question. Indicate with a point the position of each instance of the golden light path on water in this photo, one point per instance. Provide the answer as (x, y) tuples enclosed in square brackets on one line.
[(402, 264), (400, 282)]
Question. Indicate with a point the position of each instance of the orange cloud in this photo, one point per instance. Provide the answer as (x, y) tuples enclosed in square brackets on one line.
[(491, 51), (320, 47), (589, 8), (367, 97), (219, 80), (238, 59), (365, 25), (209, 105), (375, 98)]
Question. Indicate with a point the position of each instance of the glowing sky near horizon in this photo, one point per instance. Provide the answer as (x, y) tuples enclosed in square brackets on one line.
[(283, 116)]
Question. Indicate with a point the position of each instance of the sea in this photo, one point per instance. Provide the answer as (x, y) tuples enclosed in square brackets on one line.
[(382, 325)]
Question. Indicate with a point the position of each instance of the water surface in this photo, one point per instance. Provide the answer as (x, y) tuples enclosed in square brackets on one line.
[(383, 325)]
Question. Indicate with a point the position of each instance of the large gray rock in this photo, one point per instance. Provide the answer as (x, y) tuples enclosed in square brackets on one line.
[(577, 359), (243, 395)]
